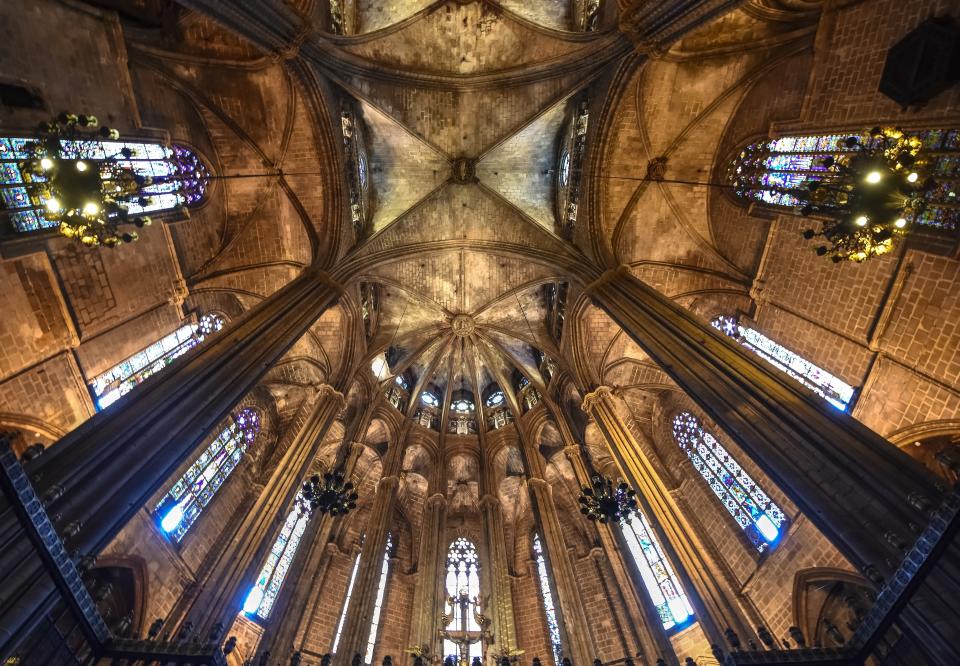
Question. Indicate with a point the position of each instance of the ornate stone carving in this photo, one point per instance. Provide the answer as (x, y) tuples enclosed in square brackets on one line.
[(465, 169), (600, 393), (463, 325)]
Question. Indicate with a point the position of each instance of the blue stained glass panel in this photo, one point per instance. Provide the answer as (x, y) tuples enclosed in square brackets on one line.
[(761, 520), (546, 597), (263, 595)]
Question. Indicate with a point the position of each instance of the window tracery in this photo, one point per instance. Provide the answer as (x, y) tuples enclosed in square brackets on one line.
[(183, 503), (774, 170), (263, 595), (569, 167), (757, 515), (180, 178), (356, 165), (119, 380), (546, 597), (658, 576), (346, 604), (463, 580), (835, 391)]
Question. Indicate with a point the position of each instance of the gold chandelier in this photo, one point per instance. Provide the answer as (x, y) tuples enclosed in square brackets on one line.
[(87, 193)]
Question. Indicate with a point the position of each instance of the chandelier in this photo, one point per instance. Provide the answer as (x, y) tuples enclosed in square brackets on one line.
[(88, 193), (871, 192), (327, 494), (604, 502)]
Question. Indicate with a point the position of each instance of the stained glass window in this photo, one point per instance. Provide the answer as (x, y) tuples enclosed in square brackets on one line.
[(774, 170), (123, 377), (378, 604), (547, 597), (346, 603), (658, 577), (463, 586), (192, 492), (264, 593), (833, 390), (495, 399), (761, 520), (179, 176), (429, 399)]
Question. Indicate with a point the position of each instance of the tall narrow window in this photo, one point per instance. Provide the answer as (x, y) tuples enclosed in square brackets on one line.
[(179, 177), (658, 577), (547, 596), (378, 604), (192, 492), (833, 390), (774, 170), (761, 519), (264, 593), (120, 379), (346, 604), (463, 592)]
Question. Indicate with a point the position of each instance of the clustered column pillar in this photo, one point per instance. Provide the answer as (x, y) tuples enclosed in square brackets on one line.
[(97, 477), (356, 628), (682, 544), (426, 604), (868, 497), (645, 621), (504, 623)]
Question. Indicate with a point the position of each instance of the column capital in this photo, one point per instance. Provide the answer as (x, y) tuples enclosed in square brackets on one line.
[(388, 483), (437, 499), (489, 500), (607, 276), (591, 399), (572, 450), (539, 484), (327, 392)]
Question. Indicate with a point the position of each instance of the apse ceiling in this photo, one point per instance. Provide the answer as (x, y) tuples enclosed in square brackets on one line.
[(463, 109)]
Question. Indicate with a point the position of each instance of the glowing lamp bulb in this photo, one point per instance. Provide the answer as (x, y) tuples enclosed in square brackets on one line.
[(173, 518), (861, 221), (913, 177), (46, 164), (81, 166), (874, 177), (53, 205), (90, 208), (900, 223)]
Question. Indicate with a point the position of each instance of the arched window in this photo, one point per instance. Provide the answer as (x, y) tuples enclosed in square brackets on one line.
[(833, 390), (264, 593), (179, 177), (761, 519), (429, 399), (346, 603), (378, 604), (495, 399), (192, 492), (658, 577), (774, 170), (463, 588), (547, 597), (122, 378)]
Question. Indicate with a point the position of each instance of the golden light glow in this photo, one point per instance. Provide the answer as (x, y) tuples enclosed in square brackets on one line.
[(46, 164), (81, 166), (90, 208), (874, 177), (900, 224), (53, 205), (913, 177), (861, 221)]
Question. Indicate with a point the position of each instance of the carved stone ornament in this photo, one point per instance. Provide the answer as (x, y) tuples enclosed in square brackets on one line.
[(591, 399), (463, 326)]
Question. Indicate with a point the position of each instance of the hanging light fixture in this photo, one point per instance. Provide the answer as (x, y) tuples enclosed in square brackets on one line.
[(871, 192), (87, 192), (602, 501), (328, 494)]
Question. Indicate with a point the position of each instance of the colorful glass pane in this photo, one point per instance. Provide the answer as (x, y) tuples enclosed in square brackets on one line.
[(832, 389), (261, 598), (463, 577), (546, 597), (123, 377), (378, 604), (346, 604), (774, 171), (185, 500), (658, 577), (761, 520), (179, 176)]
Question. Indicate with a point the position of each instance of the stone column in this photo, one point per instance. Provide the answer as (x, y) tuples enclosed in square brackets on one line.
[(498, 576), (96, 478), (684, 547), (426, 598), (238, 564), (868, 497), (356, 628), (643, 616), (302, 588)]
